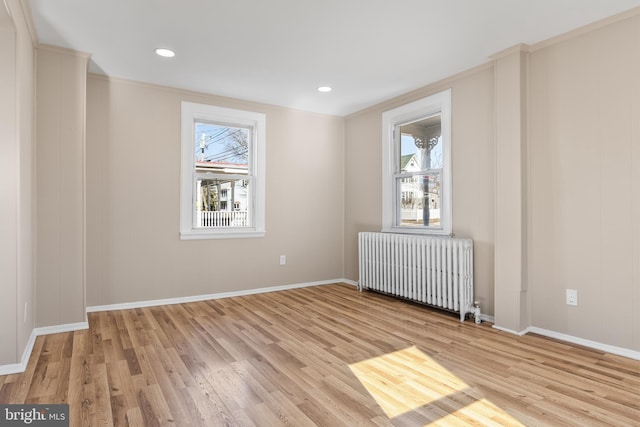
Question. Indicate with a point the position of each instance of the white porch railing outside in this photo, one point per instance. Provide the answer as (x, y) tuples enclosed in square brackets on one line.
[(416, 214), (222, 219)]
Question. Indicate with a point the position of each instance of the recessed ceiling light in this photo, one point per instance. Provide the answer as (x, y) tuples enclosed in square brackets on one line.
[(324, 89), (166, 53)]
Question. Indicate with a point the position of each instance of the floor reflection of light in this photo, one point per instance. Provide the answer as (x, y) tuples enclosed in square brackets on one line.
[(481, 412), (406, 380)]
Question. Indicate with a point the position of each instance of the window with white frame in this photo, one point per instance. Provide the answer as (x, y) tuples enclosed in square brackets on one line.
[(222, 190), (416, 144)]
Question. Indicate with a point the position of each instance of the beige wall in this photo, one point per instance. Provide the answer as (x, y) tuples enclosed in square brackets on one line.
[(134, 252), (585, 184), (60, 127), (16, 183), (472, 165)]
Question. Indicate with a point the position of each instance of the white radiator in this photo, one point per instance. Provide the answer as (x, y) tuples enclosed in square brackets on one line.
[(437, 271)]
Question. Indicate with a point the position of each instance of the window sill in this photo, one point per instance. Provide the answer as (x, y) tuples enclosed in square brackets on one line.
[(220, 234), (420, 231)]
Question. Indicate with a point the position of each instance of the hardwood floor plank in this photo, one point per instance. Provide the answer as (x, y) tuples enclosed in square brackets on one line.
[(264, 414), (103, 413), (174, 400), (134, 417), (119, 411), (154, 407), (326, 355), (211, 410), (287, 383)]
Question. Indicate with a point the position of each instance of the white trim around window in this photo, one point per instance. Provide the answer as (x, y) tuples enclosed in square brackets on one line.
[(392, 120), (256, 123)]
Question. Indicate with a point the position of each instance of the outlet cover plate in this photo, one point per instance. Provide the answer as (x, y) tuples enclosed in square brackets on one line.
[(572, 297)]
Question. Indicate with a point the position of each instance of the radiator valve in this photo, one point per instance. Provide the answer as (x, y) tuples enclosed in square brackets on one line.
[(476, 312)]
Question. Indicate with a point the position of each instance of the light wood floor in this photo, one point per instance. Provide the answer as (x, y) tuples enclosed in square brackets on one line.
[(326, 356)]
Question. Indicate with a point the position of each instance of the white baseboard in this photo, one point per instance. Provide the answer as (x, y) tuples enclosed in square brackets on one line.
[(12, 368), (182, 300), (519, 333), (349, 282), (69, 327), (620, 351), (487, 318), (18, 368)]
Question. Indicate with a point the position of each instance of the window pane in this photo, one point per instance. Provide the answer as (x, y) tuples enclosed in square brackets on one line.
[(421, 145), (419, 200), (222, 203), (222, 146)]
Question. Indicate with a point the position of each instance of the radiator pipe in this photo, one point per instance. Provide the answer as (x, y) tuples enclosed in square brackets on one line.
[(476, 312)]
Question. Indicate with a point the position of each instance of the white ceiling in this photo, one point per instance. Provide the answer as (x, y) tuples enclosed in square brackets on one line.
[(280, 51)]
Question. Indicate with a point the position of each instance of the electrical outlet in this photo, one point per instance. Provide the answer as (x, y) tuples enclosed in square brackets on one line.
[(572, 297), (283, 259)]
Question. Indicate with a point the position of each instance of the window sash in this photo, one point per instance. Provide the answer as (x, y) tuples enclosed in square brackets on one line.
[(248, 224), (418, 188)]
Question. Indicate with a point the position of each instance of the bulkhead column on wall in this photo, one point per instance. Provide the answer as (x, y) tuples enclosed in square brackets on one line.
[(60, 186), (511, 299)]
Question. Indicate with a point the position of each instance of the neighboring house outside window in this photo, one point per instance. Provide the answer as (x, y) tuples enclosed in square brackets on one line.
[(223, 172), (417, 167)]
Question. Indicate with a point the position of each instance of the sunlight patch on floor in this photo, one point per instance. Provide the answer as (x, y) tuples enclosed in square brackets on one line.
[(406, 380), (481, 412)]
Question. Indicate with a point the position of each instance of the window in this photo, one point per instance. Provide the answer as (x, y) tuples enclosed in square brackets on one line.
[(223, 173), (416, 188)]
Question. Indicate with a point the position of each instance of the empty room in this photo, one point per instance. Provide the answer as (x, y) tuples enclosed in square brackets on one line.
[(306, 213)]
